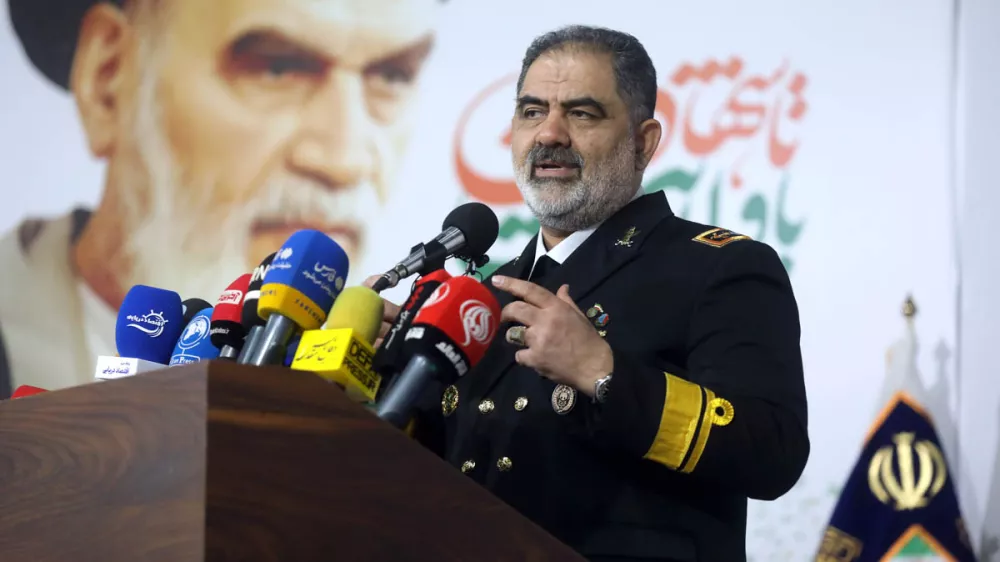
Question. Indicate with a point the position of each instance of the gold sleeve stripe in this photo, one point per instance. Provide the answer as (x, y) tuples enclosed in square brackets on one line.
[(689, 412), (679, 421), (704, 428)]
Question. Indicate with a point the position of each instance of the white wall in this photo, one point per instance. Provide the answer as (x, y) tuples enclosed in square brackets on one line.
[(979, 255)]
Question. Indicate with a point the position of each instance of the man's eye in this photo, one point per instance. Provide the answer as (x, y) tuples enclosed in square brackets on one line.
[(282, 65), (532, 113), (395, 75), (581, 114)]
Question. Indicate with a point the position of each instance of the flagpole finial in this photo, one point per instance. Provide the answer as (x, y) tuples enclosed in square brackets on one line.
[(909, 307)]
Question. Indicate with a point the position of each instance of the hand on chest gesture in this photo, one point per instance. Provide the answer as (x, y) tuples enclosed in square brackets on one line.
[(558, 340)]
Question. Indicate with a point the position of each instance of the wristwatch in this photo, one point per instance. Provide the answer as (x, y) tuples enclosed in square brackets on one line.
[(601, 388)]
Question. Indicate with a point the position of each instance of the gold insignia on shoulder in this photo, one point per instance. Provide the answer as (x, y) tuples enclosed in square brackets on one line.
[(722, 411), (921, 475), (627, 239), (449, 400), (719, 237)]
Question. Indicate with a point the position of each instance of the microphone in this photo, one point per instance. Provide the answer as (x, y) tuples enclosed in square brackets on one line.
[(388, 354), (468, 232), (252, 322), (195, 343), (342, 352), (293, 349), (299, 288), (26, 390), (148, 325), (191, 307), (449, 336), (227, 332)]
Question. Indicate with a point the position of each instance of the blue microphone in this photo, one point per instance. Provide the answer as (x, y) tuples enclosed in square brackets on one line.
[(195, 343), (298, 291), (149, 323)]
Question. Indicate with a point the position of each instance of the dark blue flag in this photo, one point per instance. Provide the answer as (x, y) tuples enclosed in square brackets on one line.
[(899, 502)]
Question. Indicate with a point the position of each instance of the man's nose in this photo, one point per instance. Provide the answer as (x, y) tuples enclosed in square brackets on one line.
[(336, 143), (553, 131)]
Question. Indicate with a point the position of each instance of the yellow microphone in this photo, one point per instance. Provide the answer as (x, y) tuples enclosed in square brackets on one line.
[(342, 352)]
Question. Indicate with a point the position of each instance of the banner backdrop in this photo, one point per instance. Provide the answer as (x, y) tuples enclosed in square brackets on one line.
[(821, 129)]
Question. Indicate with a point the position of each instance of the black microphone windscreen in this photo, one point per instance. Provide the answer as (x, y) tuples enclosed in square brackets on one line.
[(250, 317), (192, 307), (478, 223)]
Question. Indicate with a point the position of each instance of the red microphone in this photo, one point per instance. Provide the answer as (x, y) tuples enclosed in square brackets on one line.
[(227, 330), (25, 390), (389, 354), (450, 334)]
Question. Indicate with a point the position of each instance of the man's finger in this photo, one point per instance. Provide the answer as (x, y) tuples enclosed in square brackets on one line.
[(525, 357), (563, 295), (524, 290), (384, 329), (390, 311), (520, 313)]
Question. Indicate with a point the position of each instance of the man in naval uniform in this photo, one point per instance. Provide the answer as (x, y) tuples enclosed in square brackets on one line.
[(225, 126), (646, 380)]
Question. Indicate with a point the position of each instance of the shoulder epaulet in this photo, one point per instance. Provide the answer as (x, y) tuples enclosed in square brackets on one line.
[(719, 237)]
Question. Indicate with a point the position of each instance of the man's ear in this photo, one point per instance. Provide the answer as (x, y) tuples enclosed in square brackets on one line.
[(647, 139), (99, 72)]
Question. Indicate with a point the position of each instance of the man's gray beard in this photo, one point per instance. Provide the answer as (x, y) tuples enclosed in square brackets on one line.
[(579, 204), (181, 240)]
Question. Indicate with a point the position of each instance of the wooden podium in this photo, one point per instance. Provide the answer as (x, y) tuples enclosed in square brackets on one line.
[(216, 461)]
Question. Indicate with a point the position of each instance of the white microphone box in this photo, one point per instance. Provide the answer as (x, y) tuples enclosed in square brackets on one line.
[(110, 368)]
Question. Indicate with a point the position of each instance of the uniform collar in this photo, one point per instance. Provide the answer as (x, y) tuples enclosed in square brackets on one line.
[(564, 249)]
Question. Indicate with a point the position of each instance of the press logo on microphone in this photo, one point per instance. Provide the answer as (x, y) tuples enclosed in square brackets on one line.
[(477, 321), (455, 357), (322, 276), (151, 324), (330, 274), (232, 296), (259, 272), (196, 331), (437, 296), (281, 260)]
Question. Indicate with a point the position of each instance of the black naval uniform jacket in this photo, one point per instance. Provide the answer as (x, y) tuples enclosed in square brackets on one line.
[(706, 406)]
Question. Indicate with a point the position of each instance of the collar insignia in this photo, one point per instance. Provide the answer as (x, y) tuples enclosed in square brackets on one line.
[(627, 239)]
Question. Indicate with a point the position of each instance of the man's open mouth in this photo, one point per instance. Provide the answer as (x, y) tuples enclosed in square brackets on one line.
[(552, 168), (553, 165)]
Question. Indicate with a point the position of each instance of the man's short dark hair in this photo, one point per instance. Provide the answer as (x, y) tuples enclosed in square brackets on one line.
[(633, 69)]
